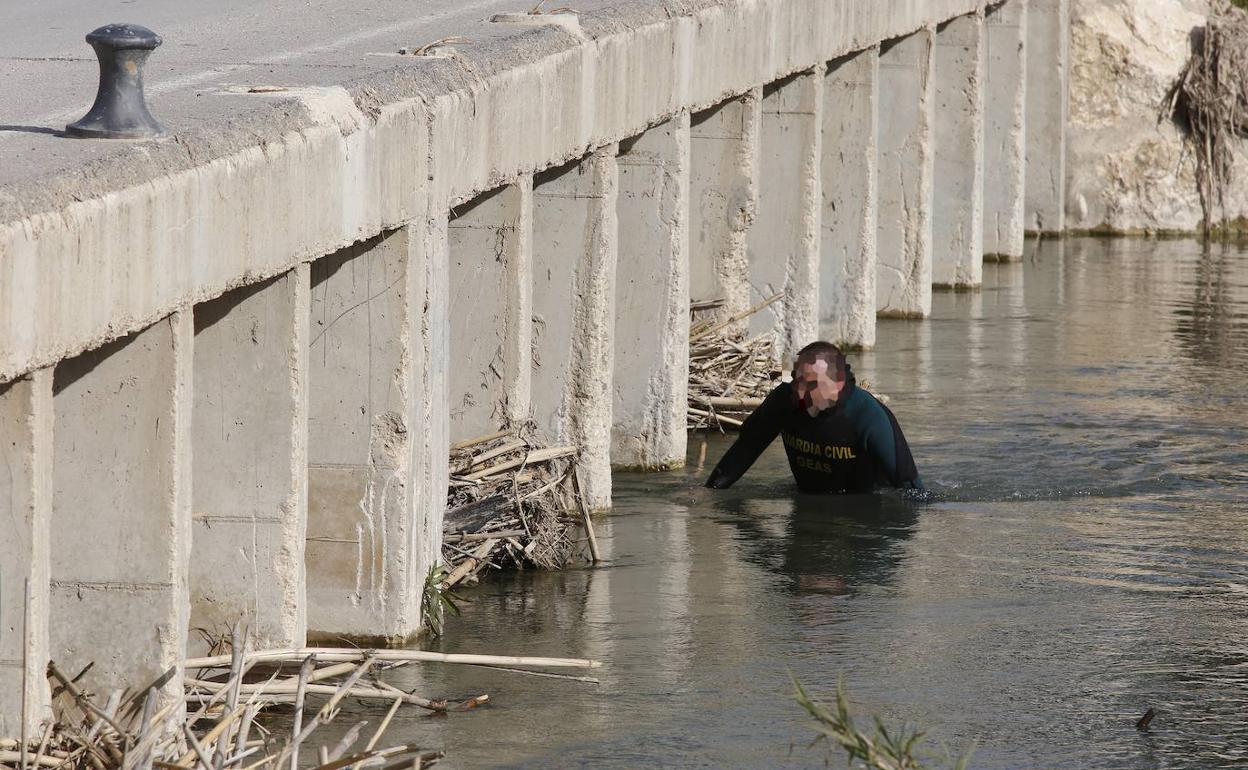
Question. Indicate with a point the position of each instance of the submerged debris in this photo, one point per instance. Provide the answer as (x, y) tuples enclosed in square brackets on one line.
[(1210, 97), (512, 502), (729, 375)]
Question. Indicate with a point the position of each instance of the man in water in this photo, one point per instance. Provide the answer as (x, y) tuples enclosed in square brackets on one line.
[(839, 438)]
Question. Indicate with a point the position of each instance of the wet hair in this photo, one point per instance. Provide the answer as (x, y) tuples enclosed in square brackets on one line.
[(826, 352)]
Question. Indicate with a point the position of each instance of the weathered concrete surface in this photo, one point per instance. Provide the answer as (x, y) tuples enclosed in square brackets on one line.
[(904, 209), (1005, 99), (250, 461), (958, 178), (490, 241), (724, 149), (783, 245), (125, 260), (847, 260), (1048, 26), (106, 240), (375, 433), (25, 551), (1127, 171), (121, 507), (153, 227), (574, 266), (650, 382)]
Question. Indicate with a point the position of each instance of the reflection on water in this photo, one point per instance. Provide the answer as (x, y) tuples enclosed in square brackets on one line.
[(1083, 420)]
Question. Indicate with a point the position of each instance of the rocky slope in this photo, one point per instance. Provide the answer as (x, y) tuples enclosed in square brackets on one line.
[(1128, 171)]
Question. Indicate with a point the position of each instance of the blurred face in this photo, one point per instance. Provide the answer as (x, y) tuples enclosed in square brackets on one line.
[(817, 388)]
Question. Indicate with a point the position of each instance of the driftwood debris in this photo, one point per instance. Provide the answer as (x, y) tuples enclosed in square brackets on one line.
[(512, 502), (1210, 99), (213, 725), (729, 374), (215, 729)]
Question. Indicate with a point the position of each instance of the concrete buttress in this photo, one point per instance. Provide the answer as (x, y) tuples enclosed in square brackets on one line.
[(723, 198), (1048, 34), (651, 374), (25, 513), (121, 507), (848, 226), (490, 242), (377, 431), (1005, 101), (904, 225), (958, 178), (250, 461), (574, 264), (784, 241)]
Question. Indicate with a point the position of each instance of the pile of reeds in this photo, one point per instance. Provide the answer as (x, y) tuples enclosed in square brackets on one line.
[(1210, 97), (729, 374), (512, 503), (213, 725)]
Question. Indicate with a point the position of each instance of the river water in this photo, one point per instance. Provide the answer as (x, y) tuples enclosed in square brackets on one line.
[(1083, 421)]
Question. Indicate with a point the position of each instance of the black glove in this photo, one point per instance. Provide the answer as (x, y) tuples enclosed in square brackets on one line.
[(718, 480)]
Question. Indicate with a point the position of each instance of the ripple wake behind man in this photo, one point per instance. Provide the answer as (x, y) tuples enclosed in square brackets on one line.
[(839, 438)]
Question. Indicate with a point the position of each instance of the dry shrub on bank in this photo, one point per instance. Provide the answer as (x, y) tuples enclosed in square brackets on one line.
[(1210, 98)]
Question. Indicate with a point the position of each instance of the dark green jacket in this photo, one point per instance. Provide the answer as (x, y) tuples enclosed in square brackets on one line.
[(852, 447)]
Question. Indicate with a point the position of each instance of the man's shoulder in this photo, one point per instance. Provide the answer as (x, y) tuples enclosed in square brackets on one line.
[(781, 394), (783, 387), (863, 408)]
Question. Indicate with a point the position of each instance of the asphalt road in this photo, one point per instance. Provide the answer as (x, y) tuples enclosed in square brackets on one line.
[(50, 73)]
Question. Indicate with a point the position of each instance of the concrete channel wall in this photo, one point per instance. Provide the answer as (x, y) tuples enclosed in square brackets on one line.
[(231, 364)]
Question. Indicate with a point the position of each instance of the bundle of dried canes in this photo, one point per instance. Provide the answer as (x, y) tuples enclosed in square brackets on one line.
[(729, 374), (512, 502), (213, 725)]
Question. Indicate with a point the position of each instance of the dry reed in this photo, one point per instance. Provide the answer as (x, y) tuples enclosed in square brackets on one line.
[(729, 374), (512, 503), (212, 724)]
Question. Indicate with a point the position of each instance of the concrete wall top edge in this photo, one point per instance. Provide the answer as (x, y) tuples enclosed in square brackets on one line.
[(424, 79), (504, 106)]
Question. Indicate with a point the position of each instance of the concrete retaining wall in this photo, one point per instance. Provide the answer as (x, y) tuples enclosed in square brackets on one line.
[(1005, 32), (904, 196), (121, 506), (250, 470), (958, 172), (650, 376), (318, 300), (850, 159)]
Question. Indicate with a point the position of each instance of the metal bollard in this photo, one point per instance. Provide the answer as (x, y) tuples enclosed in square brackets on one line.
[(120, 111)]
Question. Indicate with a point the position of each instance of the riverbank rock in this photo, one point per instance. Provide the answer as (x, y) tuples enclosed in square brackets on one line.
[(1128, 172)]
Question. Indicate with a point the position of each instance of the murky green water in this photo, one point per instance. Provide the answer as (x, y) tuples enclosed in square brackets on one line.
[(1084, 421)]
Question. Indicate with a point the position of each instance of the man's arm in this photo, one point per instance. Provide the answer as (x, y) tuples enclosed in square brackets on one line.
[(759, 430), (883, 438)]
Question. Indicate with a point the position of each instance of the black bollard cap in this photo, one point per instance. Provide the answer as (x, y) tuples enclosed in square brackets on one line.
[(121, 36), (120, 110)]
